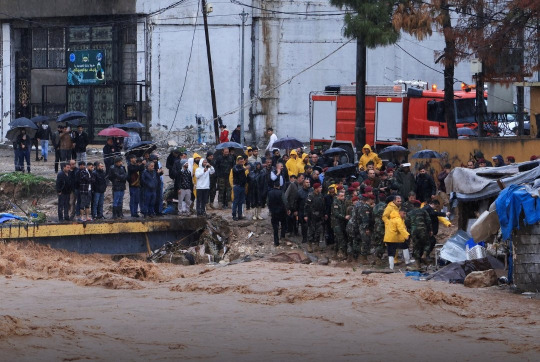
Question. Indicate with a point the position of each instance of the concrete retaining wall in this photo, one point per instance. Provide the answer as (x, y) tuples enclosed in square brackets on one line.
[(526, 244)]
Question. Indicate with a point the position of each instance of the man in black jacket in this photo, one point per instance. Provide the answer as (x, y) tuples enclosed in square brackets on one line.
[(55, 138), (223, 165), (135, 170), (80, 142), (301, 197), (118, 177), (63, 188), (425, 186), (239, 187), (85, 188), (99, 186), (434, 216), (277, 212), (184, 183)]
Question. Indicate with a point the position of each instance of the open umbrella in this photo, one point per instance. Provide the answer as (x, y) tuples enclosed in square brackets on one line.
[(139, 149), (70, 116), (427, 154), (466, 131), (113, 132), (40, 119), (287, 143), (133, 125), (13, 133), (393, 148), (347, 169), (23, 122), (334, 151), (229, 145)]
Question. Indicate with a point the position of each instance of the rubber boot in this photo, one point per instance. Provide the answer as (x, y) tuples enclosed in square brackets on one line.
[(391, 262), (407, 257), (114, 212), (120, 212)]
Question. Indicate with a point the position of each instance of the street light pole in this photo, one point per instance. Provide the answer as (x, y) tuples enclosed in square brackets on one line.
[(244, 19), (210, 73)]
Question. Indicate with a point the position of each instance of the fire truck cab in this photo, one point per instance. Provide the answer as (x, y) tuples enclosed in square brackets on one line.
[(394, 113)]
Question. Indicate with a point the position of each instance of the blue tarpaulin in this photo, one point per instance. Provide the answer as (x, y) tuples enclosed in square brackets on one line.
[(6, 217), (511, 201)]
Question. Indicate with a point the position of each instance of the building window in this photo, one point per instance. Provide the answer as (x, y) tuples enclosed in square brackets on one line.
[(48, 48)]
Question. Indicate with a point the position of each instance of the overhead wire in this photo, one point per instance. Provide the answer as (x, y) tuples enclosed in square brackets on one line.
[(187, 71)]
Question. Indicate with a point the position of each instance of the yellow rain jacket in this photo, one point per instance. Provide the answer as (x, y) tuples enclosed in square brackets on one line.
[(372, 156), (300, 164), (292, 164), (395, 231), (391, 207)]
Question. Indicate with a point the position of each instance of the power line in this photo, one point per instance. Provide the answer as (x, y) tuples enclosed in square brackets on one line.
[(187, 70), (302, 13)]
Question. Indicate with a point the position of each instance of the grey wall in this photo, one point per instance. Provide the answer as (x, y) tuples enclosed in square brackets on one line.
[(56, 8), (527, 258)]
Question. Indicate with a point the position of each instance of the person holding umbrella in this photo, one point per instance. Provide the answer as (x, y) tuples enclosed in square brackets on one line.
[(44, 134), (66, 145), (24, 143), (80, 142)]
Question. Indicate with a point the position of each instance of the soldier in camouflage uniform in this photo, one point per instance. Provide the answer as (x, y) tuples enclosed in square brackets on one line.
[(351, 227), (339, 224), (378, 231), (314, 211), (409, 204), (361, 227), (418, 223)]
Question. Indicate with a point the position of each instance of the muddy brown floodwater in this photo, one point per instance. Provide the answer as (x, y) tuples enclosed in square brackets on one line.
[(57, 305)]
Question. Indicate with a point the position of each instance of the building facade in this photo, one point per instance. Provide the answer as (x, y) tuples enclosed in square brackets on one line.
[(155, 65)]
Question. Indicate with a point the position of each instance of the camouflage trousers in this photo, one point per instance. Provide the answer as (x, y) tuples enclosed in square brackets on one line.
[(420, 242), (377, 239), (340, 238), (224, 188), (315, 229)]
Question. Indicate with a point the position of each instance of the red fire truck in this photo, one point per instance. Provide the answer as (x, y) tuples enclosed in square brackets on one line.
[(394, 113)]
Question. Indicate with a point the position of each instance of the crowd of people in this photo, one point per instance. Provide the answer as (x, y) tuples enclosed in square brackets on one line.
[(373, 208)]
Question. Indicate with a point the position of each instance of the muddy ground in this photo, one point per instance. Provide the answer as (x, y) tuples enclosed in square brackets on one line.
[(57, 305)]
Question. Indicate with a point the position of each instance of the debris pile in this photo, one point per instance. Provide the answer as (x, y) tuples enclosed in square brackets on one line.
[(212, 246)]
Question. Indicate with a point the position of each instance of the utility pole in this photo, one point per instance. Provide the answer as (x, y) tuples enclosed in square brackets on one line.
[(360, 127), (210, 73), (480, 106), (244, 19)]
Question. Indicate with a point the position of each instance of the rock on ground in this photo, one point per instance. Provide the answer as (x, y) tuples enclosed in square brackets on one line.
[(481, 279)]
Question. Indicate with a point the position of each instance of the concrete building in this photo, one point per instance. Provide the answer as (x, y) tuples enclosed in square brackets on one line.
[(156, 70)]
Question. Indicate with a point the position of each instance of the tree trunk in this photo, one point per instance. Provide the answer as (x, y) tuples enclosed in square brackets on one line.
[(360, 127), (449, 61)]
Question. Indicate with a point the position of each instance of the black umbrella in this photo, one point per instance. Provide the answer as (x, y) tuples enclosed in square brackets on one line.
[(394, 148), (427, 154), (334, 151), (40, 119), (287, 143), (466, 131), (23, 122), (139, 149), (133, 125), (347, 169), (13, 133), (75, 122), (69, 116), (229, 145)]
